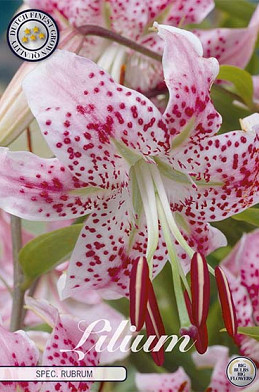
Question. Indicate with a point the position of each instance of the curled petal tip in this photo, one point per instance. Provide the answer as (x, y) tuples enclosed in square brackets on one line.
[(139, 288), (200, 289), (226, 301)]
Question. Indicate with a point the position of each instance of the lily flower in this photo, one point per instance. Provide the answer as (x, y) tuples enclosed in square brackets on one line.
[(151, 181), (132, 20), (241, 269)]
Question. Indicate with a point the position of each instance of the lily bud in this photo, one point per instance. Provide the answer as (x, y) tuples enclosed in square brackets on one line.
[(139, 288), (226, 301), (15, 115), (200, 289), (155, 326)]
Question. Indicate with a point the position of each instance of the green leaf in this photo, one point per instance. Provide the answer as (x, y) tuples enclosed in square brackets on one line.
[(43, 253), (251, 215), (241, 9), (242, 81), (252, 332)]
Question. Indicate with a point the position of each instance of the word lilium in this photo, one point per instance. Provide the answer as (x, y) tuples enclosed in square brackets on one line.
[(150, 181)]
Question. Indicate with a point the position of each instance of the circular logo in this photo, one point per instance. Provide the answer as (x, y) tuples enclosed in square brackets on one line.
[(32, 35), (241, 371)]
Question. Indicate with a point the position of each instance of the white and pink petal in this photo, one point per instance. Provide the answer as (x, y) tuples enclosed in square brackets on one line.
[(153, 382), (184, 12), (41, 189), (80, 127), (189, 77), (225, 169), (229, 45), (17, 349)]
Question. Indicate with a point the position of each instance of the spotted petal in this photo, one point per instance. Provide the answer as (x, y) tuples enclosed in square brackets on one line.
[(217, 358), (241, 266), (81, 126), (189, 77), (129, 18), (65, 336), (225, 170), (153, 382), (17, 350), (78, 12), (231, 46), (111, 240), (184, 12), (41, 189)]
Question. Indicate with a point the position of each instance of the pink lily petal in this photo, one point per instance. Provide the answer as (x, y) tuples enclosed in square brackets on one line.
[(229, 160), (241, 267), (102, 259), (81, 131), (231, 46), (128, 17), (217, 358), (184, 12), (188, 78), (153, 382), (200, 235), (243, 263), (17, 350), (78, 12), (81, 308), (65, 335), (40, 189)]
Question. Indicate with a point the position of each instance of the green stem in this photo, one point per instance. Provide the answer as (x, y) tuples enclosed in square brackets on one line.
[(18, 292), (98, 31)]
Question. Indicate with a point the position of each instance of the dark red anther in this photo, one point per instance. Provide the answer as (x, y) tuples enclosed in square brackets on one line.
[(155, 326), (226, 301), (202, 339), (139, 288), (200, 289)]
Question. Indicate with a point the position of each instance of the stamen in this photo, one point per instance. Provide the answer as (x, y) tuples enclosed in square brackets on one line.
[(167, 210), (202, 339), (139, 287), (200, 288), (122, 74), (227, 303), (147, 192), (155, 326)]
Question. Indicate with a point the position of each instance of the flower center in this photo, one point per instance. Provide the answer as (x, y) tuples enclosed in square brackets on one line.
[(147, 182)]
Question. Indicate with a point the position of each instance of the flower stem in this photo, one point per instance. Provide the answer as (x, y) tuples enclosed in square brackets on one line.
[(18, 293), (111, 35)]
